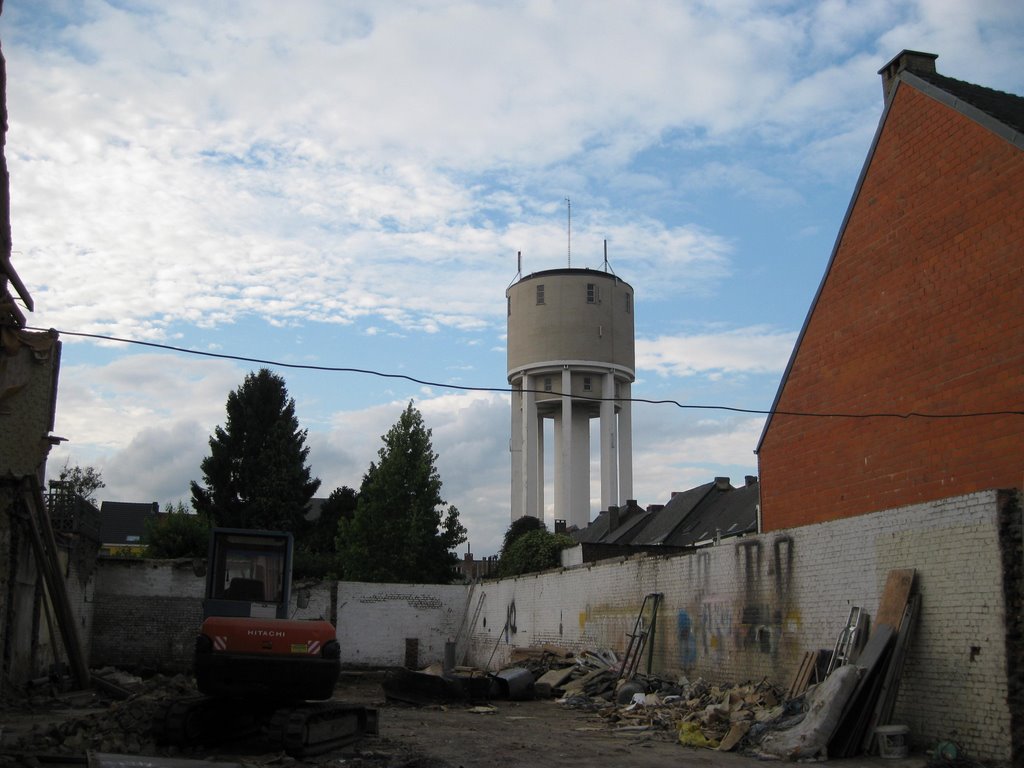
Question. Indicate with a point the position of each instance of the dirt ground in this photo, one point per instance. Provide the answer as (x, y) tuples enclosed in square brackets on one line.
[(503, 734)]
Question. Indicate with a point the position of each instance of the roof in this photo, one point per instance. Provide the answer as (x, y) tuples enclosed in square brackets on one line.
[(690, 518), (722, 513), (1003, 107), (1000, 112), (124, 522), (628, 517)]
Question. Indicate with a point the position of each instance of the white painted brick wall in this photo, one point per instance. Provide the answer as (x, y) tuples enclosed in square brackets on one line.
[(375, 620), (751, 607)]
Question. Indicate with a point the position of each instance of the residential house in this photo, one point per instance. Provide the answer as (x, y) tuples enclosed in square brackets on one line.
[(123, 525), (905, 385), (699, 517)]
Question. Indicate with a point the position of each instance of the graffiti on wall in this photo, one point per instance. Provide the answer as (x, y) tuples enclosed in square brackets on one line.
[(756, 618)]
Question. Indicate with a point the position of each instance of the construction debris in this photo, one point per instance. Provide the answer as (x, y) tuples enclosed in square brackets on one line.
[(99, 725)]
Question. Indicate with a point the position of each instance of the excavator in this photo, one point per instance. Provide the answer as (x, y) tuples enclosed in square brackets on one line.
[(257, 670)]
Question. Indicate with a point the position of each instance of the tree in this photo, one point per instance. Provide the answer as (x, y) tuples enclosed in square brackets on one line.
[(315, 553), (518, 527), (322, 537), (82, 481), (535, 550), (256, 474), (177, 533), (401, 530)]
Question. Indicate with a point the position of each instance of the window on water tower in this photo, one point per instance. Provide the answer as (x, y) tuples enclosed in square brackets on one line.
[(629, 303), (593, 293), (547, 383), (540, 294)]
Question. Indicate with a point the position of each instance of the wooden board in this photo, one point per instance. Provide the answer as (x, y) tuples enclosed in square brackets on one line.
[(846, 739), (803, 675), (555, 677), (890, 686), (894, 597), (732, 738)]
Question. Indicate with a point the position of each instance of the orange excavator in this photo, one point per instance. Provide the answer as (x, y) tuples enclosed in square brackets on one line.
[(256, 668)]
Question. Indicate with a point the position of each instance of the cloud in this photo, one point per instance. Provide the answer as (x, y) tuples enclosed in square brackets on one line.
[(755, 349), (201, 164)]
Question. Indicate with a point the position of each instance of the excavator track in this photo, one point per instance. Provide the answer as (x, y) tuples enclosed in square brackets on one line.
[(205, 720), (317, 727)]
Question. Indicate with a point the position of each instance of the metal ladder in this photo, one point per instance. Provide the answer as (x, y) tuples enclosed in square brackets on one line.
[(638, 637), (849, 640)]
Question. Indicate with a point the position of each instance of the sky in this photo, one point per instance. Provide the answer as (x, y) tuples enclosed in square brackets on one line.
[(347, 186)]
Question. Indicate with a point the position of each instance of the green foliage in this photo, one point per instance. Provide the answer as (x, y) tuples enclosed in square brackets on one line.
[(315, 565), (322, 537), (535, 550), (519, 526), (83, 481), (177, 533), (401, 530), (315, 555), (256, 474)]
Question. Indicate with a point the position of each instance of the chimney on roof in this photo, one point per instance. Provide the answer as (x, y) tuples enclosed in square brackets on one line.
[(613, 518), (915, 61), (750, 479), (722, 484), (560, 526)]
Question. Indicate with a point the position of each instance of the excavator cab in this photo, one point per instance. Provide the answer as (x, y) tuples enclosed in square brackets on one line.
[(249, 573)]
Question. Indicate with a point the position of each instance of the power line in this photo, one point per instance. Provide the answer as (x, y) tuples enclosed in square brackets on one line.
[(509, 390)]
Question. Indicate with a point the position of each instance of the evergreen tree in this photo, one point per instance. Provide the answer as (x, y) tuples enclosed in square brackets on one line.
[(401, 530), (323, 534), (256, 474)]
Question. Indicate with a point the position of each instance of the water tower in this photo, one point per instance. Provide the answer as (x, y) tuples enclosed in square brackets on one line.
[(570, 360)]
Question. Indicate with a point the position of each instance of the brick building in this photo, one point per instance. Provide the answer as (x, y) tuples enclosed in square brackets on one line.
[(919, 312)]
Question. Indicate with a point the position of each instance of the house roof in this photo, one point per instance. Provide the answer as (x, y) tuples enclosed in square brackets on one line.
[(1000, 112), (628, 518), (690, 518), (1005, 108), (124, 522), (721, 513), (667, 521)]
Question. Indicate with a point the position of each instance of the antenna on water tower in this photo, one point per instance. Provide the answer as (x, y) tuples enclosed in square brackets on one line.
[(568, 209)]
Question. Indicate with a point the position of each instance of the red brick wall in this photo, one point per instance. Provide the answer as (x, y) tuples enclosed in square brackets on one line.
[(922, 310)]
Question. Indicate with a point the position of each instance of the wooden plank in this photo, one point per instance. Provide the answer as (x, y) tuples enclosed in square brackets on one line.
[(894, 597), (873, 659), (45, 546), (890, 687), (555, 677), (735, 734), (803, 675)]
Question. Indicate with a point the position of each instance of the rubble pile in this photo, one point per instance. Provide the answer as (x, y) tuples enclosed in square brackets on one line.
[(124, 725), (696, 713)]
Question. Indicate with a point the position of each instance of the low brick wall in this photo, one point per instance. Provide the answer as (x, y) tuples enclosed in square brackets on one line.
[(146, 614)]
